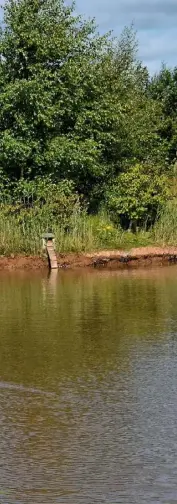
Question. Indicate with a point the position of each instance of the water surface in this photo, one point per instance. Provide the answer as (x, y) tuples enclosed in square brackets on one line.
[(88, 387)]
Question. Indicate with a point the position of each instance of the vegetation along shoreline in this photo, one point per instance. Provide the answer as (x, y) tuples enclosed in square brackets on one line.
[(88, 138)]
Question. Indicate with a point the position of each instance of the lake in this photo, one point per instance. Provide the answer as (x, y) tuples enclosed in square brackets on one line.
[(88, 387)]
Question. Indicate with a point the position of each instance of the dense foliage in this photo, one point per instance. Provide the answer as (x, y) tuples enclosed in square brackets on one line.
[(82, 124)]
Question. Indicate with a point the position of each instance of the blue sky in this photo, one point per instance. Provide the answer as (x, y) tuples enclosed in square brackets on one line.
[(154, 20)]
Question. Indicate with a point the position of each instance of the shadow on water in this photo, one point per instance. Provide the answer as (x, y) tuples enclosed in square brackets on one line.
[(88, 378)]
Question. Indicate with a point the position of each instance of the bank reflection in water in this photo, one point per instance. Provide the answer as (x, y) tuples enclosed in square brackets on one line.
[(88, 381)]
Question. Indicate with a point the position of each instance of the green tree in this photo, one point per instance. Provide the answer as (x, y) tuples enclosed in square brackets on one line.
[(47, 66), (163, 89), (76, 106), (72, 103), (138, 195)]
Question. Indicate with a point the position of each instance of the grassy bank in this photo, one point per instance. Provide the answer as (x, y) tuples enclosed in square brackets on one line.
[(84, 233), (21, 231)]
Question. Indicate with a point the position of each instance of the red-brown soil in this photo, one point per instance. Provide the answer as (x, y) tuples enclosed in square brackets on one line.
[(21, 262), (142, 256)]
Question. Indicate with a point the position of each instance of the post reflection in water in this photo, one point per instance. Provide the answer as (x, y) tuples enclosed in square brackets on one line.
[(88, 379), (50, 284)]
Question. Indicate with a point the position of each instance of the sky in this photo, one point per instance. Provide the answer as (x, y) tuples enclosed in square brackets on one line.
[(154, 20)]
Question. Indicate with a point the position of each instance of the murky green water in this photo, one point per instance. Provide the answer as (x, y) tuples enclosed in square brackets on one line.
[(88, 387)]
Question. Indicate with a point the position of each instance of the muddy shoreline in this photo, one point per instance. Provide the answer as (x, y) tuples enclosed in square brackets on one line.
[(110, 259)]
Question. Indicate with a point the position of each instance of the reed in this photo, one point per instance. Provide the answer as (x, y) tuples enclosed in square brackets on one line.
[(165, 229), (21, 234)]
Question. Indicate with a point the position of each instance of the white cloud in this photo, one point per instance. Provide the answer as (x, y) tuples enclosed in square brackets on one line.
[(154, 20)]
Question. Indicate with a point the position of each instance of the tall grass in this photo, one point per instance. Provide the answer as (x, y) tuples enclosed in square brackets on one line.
[(22, 233), (30, 208), (165, 229)]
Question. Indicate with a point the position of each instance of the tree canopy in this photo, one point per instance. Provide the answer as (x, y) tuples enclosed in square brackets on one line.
[(78, 106)]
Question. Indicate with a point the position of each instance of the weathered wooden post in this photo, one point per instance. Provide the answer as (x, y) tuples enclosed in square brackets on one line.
[(49, 245)]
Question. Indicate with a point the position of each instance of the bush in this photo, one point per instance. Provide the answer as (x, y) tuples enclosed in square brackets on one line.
[(137, 195)]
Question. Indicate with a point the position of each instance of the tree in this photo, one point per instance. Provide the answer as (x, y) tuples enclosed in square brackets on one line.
[(163, 89), (47, 60), (73, 104), (137, 195)]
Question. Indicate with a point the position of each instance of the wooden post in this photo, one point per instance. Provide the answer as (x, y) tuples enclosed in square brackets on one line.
[(48, 244)]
